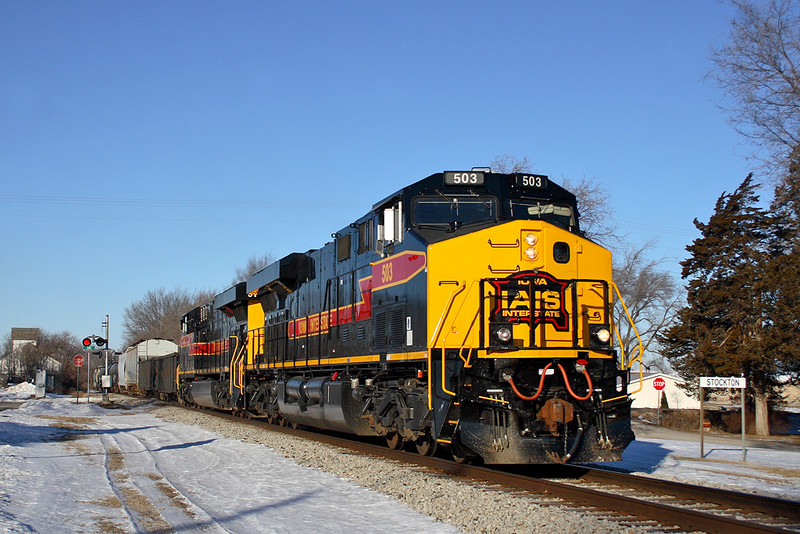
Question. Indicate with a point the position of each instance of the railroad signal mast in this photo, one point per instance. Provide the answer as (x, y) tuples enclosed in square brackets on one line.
[(91, 344), (96, 343), (106, 380)]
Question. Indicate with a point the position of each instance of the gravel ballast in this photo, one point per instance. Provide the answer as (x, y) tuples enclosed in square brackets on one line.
[(470, 506)]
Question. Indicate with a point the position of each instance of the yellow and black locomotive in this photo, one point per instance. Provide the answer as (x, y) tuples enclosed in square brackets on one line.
[(464, 311)]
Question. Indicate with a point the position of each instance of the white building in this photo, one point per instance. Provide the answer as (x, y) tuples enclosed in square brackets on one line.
[(648, 395)]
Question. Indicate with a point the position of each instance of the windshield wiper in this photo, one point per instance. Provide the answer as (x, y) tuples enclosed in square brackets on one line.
[(483, 200), (448, 199), (448, 227)]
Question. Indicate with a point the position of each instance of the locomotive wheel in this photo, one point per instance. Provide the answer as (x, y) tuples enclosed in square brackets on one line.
[(463, 459), (460, 454), (426, 445), (394, 441), (282, 421)]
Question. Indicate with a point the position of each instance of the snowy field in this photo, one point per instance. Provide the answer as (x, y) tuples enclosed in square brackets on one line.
[(771, 468), (67, 467), (82, 468)]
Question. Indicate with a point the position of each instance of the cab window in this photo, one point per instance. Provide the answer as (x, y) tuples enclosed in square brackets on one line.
[(453, 209), (560, 215)]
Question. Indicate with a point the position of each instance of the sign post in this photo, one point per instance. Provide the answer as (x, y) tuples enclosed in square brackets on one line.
[(78, 361), (659, 384), (88, 376), (733, 382)]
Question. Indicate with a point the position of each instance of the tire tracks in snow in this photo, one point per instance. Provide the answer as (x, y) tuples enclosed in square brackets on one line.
[(154, 503)]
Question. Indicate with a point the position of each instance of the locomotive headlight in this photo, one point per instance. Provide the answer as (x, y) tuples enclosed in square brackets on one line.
[(531, 239), (601, 335), (531, 253), (502, 333)]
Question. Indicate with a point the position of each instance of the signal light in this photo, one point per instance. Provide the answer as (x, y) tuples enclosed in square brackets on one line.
[(93, 342)]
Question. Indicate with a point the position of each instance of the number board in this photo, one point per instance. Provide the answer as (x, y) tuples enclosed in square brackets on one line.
[(463, 178), (531, 181)]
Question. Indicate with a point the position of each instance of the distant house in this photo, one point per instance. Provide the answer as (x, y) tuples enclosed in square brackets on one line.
[(16, 364), (23, 336), (12, 364), (648, 395)]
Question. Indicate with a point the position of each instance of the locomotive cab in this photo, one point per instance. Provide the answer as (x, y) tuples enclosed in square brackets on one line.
[(521, 362)]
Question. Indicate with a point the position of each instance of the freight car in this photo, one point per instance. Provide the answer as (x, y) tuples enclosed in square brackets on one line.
[(129, 361), (157, 376), (466, 311)]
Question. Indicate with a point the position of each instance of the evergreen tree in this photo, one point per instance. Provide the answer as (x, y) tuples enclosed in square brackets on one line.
[(784, 268), (724, 329)]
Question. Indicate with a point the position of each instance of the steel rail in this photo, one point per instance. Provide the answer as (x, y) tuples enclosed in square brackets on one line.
[(747, 502)]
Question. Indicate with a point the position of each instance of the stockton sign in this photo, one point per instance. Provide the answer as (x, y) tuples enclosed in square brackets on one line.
[(735, 382), (730, 382)]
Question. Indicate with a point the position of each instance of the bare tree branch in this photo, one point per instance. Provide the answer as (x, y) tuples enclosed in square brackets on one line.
[(651, 296), (158, 314), (596, 215), (254, 264), (508, 164), (759, 70)]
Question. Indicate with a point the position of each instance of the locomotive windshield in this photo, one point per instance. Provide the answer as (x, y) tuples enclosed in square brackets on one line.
[(454, 209), (559, 215)]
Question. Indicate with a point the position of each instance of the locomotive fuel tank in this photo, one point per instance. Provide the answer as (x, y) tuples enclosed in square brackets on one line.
[(322, 403), (202, 393)]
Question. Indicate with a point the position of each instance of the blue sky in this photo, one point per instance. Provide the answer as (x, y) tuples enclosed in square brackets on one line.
[(162, 144)]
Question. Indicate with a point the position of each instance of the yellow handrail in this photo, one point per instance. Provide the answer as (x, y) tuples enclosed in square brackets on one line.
[(242, 364), (639, 348), (460, 286), (236, 372), (638, 351), (472, 323)]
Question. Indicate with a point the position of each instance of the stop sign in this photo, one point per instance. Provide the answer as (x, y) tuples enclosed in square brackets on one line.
[(659, 384), (78, 360)]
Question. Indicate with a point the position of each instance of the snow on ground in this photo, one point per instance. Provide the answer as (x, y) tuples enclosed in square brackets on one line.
[(774, 472), (24, 390), (67, 467)]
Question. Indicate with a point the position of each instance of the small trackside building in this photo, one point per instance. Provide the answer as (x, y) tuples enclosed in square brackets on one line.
[(647, 397)]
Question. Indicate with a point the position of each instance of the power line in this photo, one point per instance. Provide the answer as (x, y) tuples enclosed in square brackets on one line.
[(156, 202)]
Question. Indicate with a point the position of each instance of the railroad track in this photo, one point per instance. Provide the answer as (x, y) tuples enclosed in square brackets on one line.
[(629, 498), (771, 513)]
